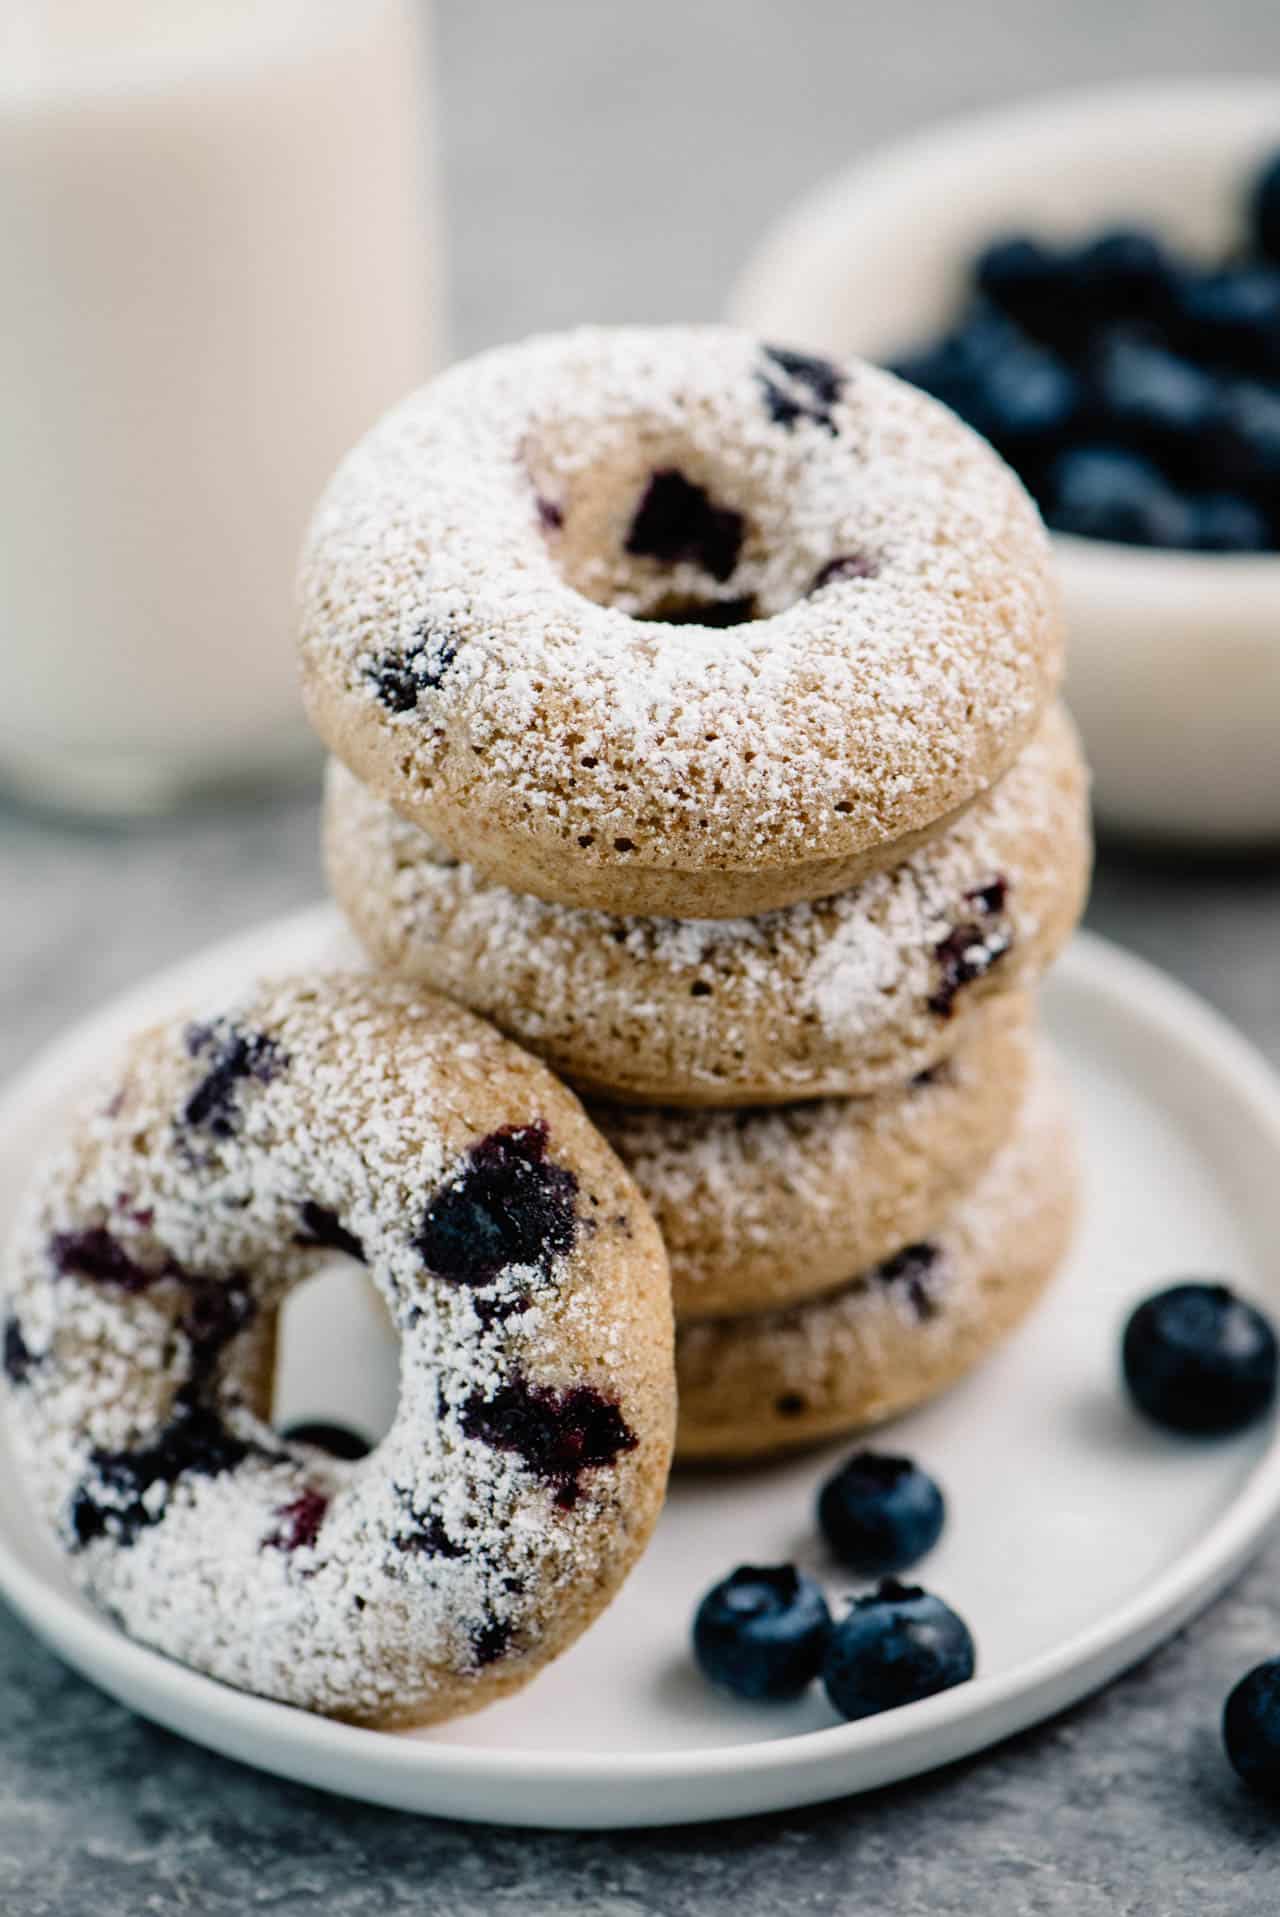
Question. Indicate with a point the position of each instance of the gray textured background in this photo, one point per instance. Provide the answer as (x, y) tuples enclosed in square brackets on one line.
[(616, 162)]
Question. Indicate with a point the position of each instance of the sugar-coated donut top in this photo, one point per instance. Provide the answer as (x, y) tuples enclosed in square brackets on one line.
[(828, 996), (671, 594), (218, 1167)]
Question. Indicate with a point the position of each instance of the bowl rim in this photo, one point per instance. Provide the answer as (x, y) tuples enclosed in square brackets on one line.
[(820, 221)]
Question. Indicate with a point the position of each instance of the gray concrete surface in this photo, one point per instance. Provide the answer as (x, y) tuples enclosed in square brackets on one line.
[(615, 162)]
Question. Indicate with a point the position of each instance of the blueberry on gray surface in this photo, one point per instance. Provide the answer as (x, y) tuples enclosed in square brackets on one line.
[(880, 1513), (762, 1632), (508, 1204), (1198, 1359), (677, 520), (1251, 1729), (895, 1647), (338, 1440)]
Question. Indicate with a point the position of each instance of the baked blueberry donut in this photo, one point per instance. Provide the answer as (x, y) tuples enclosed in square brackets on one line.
[(663, 620), (528, 1457), (841, 997), (900, 1333), (762, 1208)]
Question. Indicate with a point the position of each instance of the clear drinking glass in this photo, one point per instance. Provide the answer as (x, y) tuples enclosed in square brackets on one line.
[(216, 269)]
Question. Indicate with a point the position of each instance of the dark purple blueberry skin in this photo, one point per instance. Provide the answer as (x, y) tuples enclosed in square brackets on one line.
[(323, 1227), (398, 678), (678, 520), (880, 1514), (233, 1057), (1251, 1729), (556, 1434), (19, 1360), (298, 1522), (1198, 1359), (509, 1204), (896, 1647), (916, 1270), (762, 1632)]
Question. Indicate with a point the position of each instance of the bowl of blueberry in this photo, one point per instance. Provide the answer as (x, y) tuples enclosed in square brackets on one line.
[(1093, 283)]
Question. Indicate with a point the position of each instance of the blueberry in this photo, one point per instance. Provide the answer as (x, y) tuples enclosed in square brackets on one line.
[(1232, 317), (557, 1435), (953, 367), (762, 1632), (1265, 209), (895, 1647), (339, 1440), (1227, 522), (1101, 492), (508, 1203), (1251, 1729), (1149, 398), (880, 1514), (1246, 433), (1123, 274), (1024, 402), (1029, 282), (1199, 1359)]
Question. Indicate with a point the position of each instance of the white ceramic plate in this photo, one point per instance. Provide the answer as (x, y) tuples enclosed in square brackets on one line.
[(1079, 1538)]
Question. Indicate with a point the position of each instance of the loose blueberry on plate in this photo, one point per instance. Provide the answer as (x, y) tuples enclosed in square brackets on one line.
[(761, 1632), (339, 1440), (1251, 1729), (1265, 209), (895, 1647), (1101, 492), (880, 1514), (1198, 1359)]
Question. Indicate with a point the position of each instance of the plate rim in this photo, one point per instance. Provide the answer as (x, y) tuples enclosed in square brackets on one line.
[(760, 1773)]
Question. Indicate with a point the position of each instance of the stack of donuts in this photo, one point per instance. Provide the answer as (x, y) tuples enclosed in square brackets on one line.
[(692, 705), (693, 711)]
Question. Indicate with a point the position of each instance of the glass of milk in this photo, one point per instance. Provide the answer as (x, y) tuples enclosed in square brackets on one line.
[(216, 269)]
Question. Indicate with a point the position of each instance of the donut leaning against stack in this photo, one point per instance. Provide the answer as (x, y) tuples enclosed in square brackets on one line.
[(693, 711)]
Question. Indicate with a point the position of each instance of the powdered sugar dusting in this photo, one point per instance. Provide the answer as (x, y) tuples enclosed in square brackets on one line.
[(937, 1296), (486, 519), (825, 997), (376, 1589)]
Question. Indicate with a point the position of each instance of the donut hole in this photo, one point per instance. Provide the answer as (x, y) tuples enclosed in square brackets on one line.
[(337, 1355), (656, 526)]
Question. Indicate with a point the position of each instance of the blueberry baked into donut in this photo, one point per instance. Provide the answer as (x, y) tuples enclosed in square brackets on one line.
[(665, 620), (528, 1456)]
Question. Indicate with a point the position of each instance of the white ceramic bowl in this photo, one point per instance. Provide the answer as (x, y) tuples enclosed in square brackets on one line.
[(1174, 668)]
